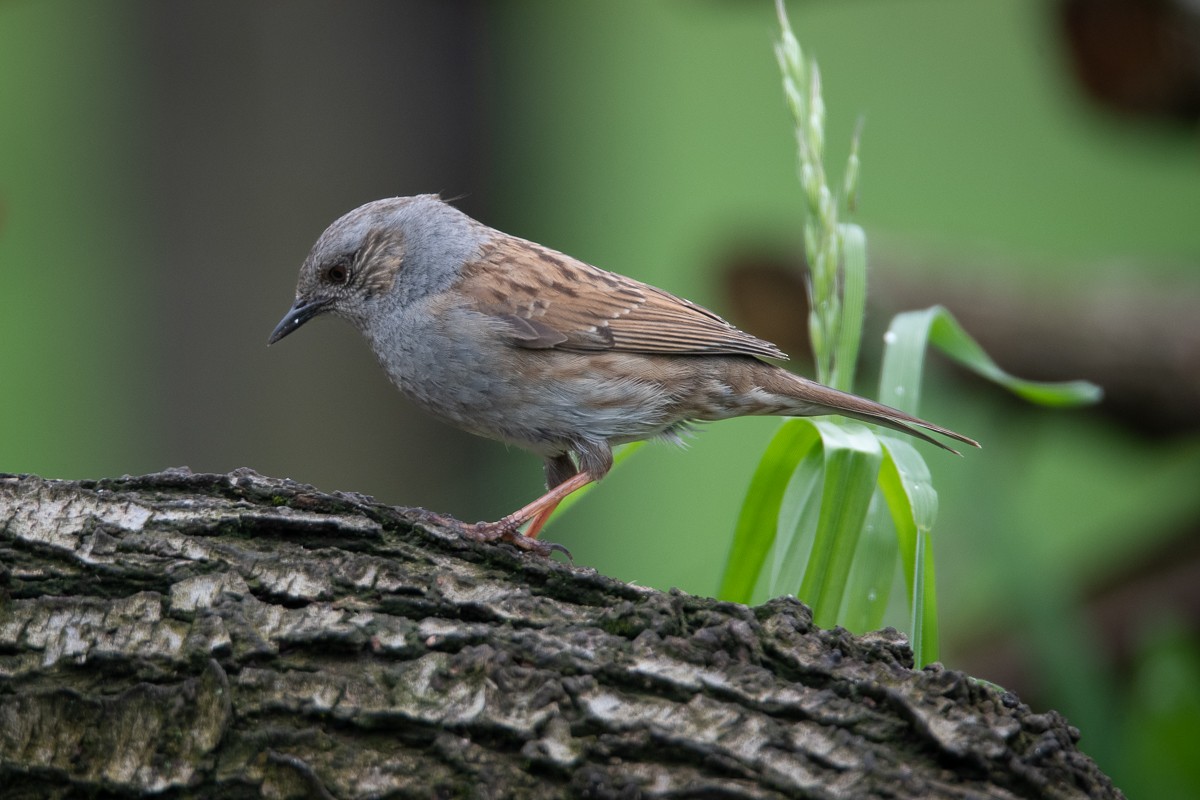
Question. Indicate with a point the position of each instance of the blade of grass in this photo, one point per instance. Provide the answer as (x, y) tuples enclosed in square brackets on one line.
[(924, 625), (756, 526), (869, 588), (852, 458), (905, 478), (797, 523), (907, 487), (904, 356)]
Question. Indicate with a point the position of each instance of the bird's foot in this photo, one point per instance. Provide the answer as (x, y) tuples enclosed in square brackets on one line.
[(505, 530)]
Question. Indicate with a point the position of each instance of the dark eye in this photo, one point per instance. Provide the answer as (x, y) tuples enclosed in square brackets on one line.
[(338, 274)]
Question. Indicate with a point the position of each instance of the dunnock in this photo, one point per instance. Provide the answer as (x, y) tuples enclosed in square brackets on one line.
[(517, 342)]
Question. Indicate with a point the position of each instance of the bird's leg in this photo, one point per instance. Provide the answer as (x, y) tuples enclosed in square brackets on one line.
[(562, 477), (538, 522), (543, 506), (559, 470)]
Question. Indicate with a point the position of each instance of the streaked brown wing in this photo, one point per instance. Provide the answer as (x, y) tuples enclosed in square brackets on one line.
[(554, 301)]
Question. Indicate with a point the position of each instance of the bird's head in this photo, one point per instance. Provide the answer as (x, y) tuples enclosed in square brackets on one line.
[(354, 270)]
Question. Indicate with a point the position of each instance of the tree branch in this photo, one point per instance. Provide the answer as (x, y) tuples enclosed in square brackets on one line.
[(237, 635)]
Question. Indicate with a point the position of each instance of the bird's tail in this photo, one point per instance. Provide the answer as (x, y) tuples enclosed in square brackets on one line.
[(809, 398)]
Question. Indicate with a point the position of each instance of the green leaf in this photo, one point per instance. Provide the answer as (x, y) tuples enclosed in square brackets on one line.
[(924, 628), (904, 356), (869, 588), (797, 523), (756, 527), (852, 458), (904, 478), (907, 487)]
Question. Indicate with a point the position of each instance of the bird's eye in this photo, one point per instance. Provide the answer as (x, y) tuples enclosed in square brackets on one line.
[(338, 274)]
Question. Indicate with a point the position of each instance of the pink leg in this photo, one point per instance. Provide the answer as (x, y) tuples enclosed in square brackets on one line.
[(539, 511), (538, 522), (541, 508)]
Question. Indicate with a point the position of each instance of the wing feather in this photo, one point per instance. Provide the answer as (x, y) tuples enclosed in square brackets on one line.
[(551, 300)]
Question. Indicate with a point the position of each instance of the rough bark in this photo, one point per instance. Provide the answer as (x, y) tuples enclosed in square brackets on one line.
[(240, 636)]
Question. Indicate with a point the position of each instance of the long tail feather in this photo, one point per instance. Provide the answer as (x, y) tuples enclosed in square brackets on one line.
[(814, 398)]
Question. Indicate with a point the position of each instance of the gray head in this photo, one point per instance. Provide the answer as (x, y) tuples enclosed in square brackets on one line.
[(381, 255)]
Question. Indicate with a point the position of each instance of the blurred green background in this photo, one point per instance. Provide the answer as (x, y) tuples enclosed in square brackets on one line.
[(165, 167)]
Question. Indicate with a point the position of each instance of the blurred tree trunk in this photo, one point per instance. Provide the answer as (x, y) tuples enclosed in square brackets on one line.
[(241, 636)]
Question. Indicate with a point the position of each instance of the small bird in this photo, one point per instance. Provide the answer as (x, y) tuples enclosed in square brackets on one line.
[(516, 342)]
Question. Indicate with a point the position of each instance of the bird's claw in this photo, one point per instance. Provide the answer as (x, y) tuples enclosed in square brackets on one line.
[(504, 531)]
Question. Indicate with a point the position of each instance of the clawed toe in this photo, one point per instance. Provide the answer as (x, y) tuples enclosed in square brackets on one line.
[(504, 530)]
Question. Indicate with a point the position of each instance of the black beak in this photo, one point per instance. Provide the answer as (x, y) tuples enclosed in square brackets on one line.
[(300, 312)]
